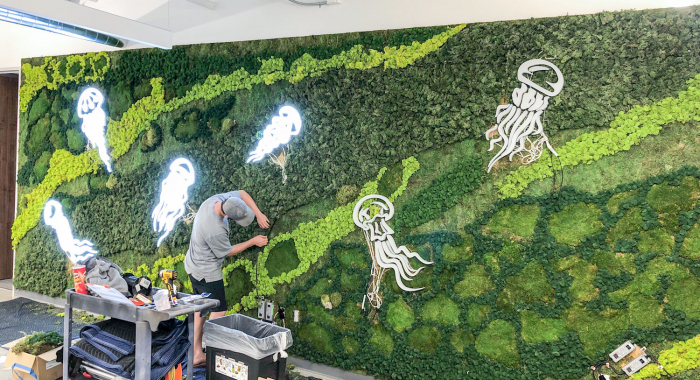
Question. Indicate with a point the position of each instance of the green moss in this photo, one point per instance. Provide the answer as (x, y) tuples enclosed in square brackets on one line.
[(627, 226), (425, 339), (76, 141), (647, 282), (321, 315), (614, 262), (460, 252), (574, 222), (460, 339), (119, 100), (336, 299), (400, 315), (645, 311), (616, 200), (391, 180), (353, 257), (353, 311), (476, 282), (344, 324), (669, 200), (656, 240), (683, 295), (497, 341), (38, 137), (350, 345), (691, 244), (528, 287), (537, 329), (41, 166), (582, 289), (477, 313), (515, 222), (98, 182), (350, 282), (319, 288), (59, 140), (282, 259), (76, 187), (40, 107), (347, 193), (441, 309), (186, 129), (381, 340), (238, 286), (319, 337), (596, 329)]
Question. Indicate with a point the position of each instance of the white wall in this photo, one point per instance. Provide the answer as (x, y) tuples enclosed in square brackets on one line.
[(239, 20)]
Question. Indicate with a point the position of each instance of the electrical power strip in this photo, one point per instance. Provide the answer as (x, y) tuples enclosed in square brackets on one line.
[(622, 351)]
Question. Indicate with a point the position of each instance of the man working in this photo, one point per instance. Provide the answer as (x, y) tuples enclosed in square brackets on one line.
[(210, 244)]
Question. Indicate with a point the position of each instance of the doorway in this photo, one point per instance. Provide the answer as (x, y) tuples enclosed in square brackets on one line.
[(8, 153)]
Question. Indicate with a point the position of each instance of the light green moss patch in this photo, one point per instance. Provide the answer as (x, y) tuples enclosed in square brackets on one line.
[(656, 240), (669, 200), (516, 222), (625, 228), (459, 252), (691, 244), (319, 288), (645, 311), (476, 282), (614, 262), (400, 315), (350, 281), (683, 295), (282, 259), (647, 282), (352, 258), (441, 309), (616, 200), (350, 345), (497, 341), (596, 330), (476, 313), (344, 324), (581, 289), (537, 329), (575, 221), (321, 316), (76, 187), (381, 340), (319, 337), (425, 339), (460, 339), (528, 287)]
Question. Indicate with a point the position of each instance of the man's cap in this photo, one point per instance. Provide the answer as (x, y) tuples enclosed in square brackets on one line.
[(236, 209)]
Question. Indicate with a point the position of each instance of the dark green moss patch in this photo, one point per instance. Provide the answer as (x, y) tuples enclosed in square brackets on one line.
[(425, 339), (497, 341), (282, 259)]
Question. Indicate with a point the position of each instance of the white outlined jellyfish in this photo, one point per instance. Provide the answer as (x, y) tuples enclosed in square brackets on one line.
[(94, 122), (78, 251), (278, 133), (517, 122), (382, 247), (173, 196)]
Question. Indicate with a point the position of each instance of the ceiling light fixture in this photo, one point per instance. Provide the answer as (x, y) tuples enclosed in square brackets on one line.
[(45, 24)]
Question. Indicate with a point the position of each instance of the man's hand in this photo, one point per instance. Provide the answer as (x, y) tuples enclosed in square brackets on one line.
[(259, 240), (263, 222)]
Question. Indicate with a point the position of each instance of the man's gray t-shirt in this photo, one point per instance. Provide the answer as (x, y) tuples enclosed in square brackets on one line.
[(209, 243)]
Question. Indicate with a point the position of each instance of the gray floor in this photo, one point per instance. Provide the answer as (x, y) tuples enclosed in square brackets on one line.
[(6, 284)]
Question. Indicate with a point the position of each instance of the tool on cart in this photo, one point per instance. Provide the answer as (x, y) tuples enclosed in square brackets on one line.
[(169, 276), (138, 285)]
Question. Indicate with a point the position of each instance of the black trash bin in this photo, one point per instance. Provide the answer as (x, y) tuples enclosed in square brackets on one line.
[(243, 348)]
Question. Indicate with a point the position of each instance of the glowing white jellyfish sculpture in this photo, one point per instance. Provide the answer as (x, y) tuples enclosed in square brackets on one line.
[(382, 247), (519, 123), (78, 251), (173, 197), (278, 133), (94, 122)]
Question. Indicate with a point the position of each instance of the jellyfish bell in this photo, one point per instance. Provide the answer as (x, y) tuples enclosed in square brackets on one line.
[(90, 99), (363, 217), (536, 65)]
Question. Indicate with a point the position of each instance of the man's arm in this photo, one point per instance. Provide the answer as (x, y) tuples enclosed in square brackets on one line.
[(259, 241), (261, 218)]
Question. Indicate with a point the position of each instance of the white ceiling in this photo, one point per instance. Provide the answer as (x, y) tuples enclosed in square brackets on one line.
[(240, 20)]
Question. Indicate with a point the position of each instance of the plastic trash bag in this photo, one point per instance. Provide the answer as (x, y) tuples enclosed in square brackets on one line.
[(247, 336)]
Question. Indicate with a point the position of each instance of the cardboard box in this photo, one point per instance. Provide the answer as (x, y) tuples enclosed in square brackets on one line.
[(44, 366)]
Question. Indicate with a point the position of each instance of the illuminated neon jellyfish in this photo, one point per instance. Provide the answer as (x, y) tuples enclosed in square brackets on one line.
[(173, 196), (78, 251), (94, 122), (382, 247), (517, 122), (278, 133)]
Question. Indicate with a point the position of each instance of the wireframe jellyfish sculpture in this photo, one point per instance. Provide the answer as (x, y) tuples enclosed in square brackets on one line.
[(278, 133), (516, 123), (382, 247), (78, 251), (94, 122), (173, 197)]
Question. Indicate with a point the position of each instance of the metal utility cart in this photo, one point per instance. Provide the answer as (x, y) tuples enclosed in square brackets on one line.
[(146, 320)]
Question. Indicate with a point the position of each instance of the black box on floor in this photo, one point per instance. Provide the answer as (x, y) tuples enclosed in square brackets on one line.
[(227, 365)]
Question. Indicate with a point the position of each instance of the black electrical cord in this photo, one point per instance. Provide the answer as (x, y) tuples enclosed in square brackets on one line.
[(267, 235)]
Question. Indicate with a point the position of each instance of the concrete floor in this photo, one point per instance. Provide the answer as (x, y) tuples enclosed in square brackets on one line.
[(5, 373)]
